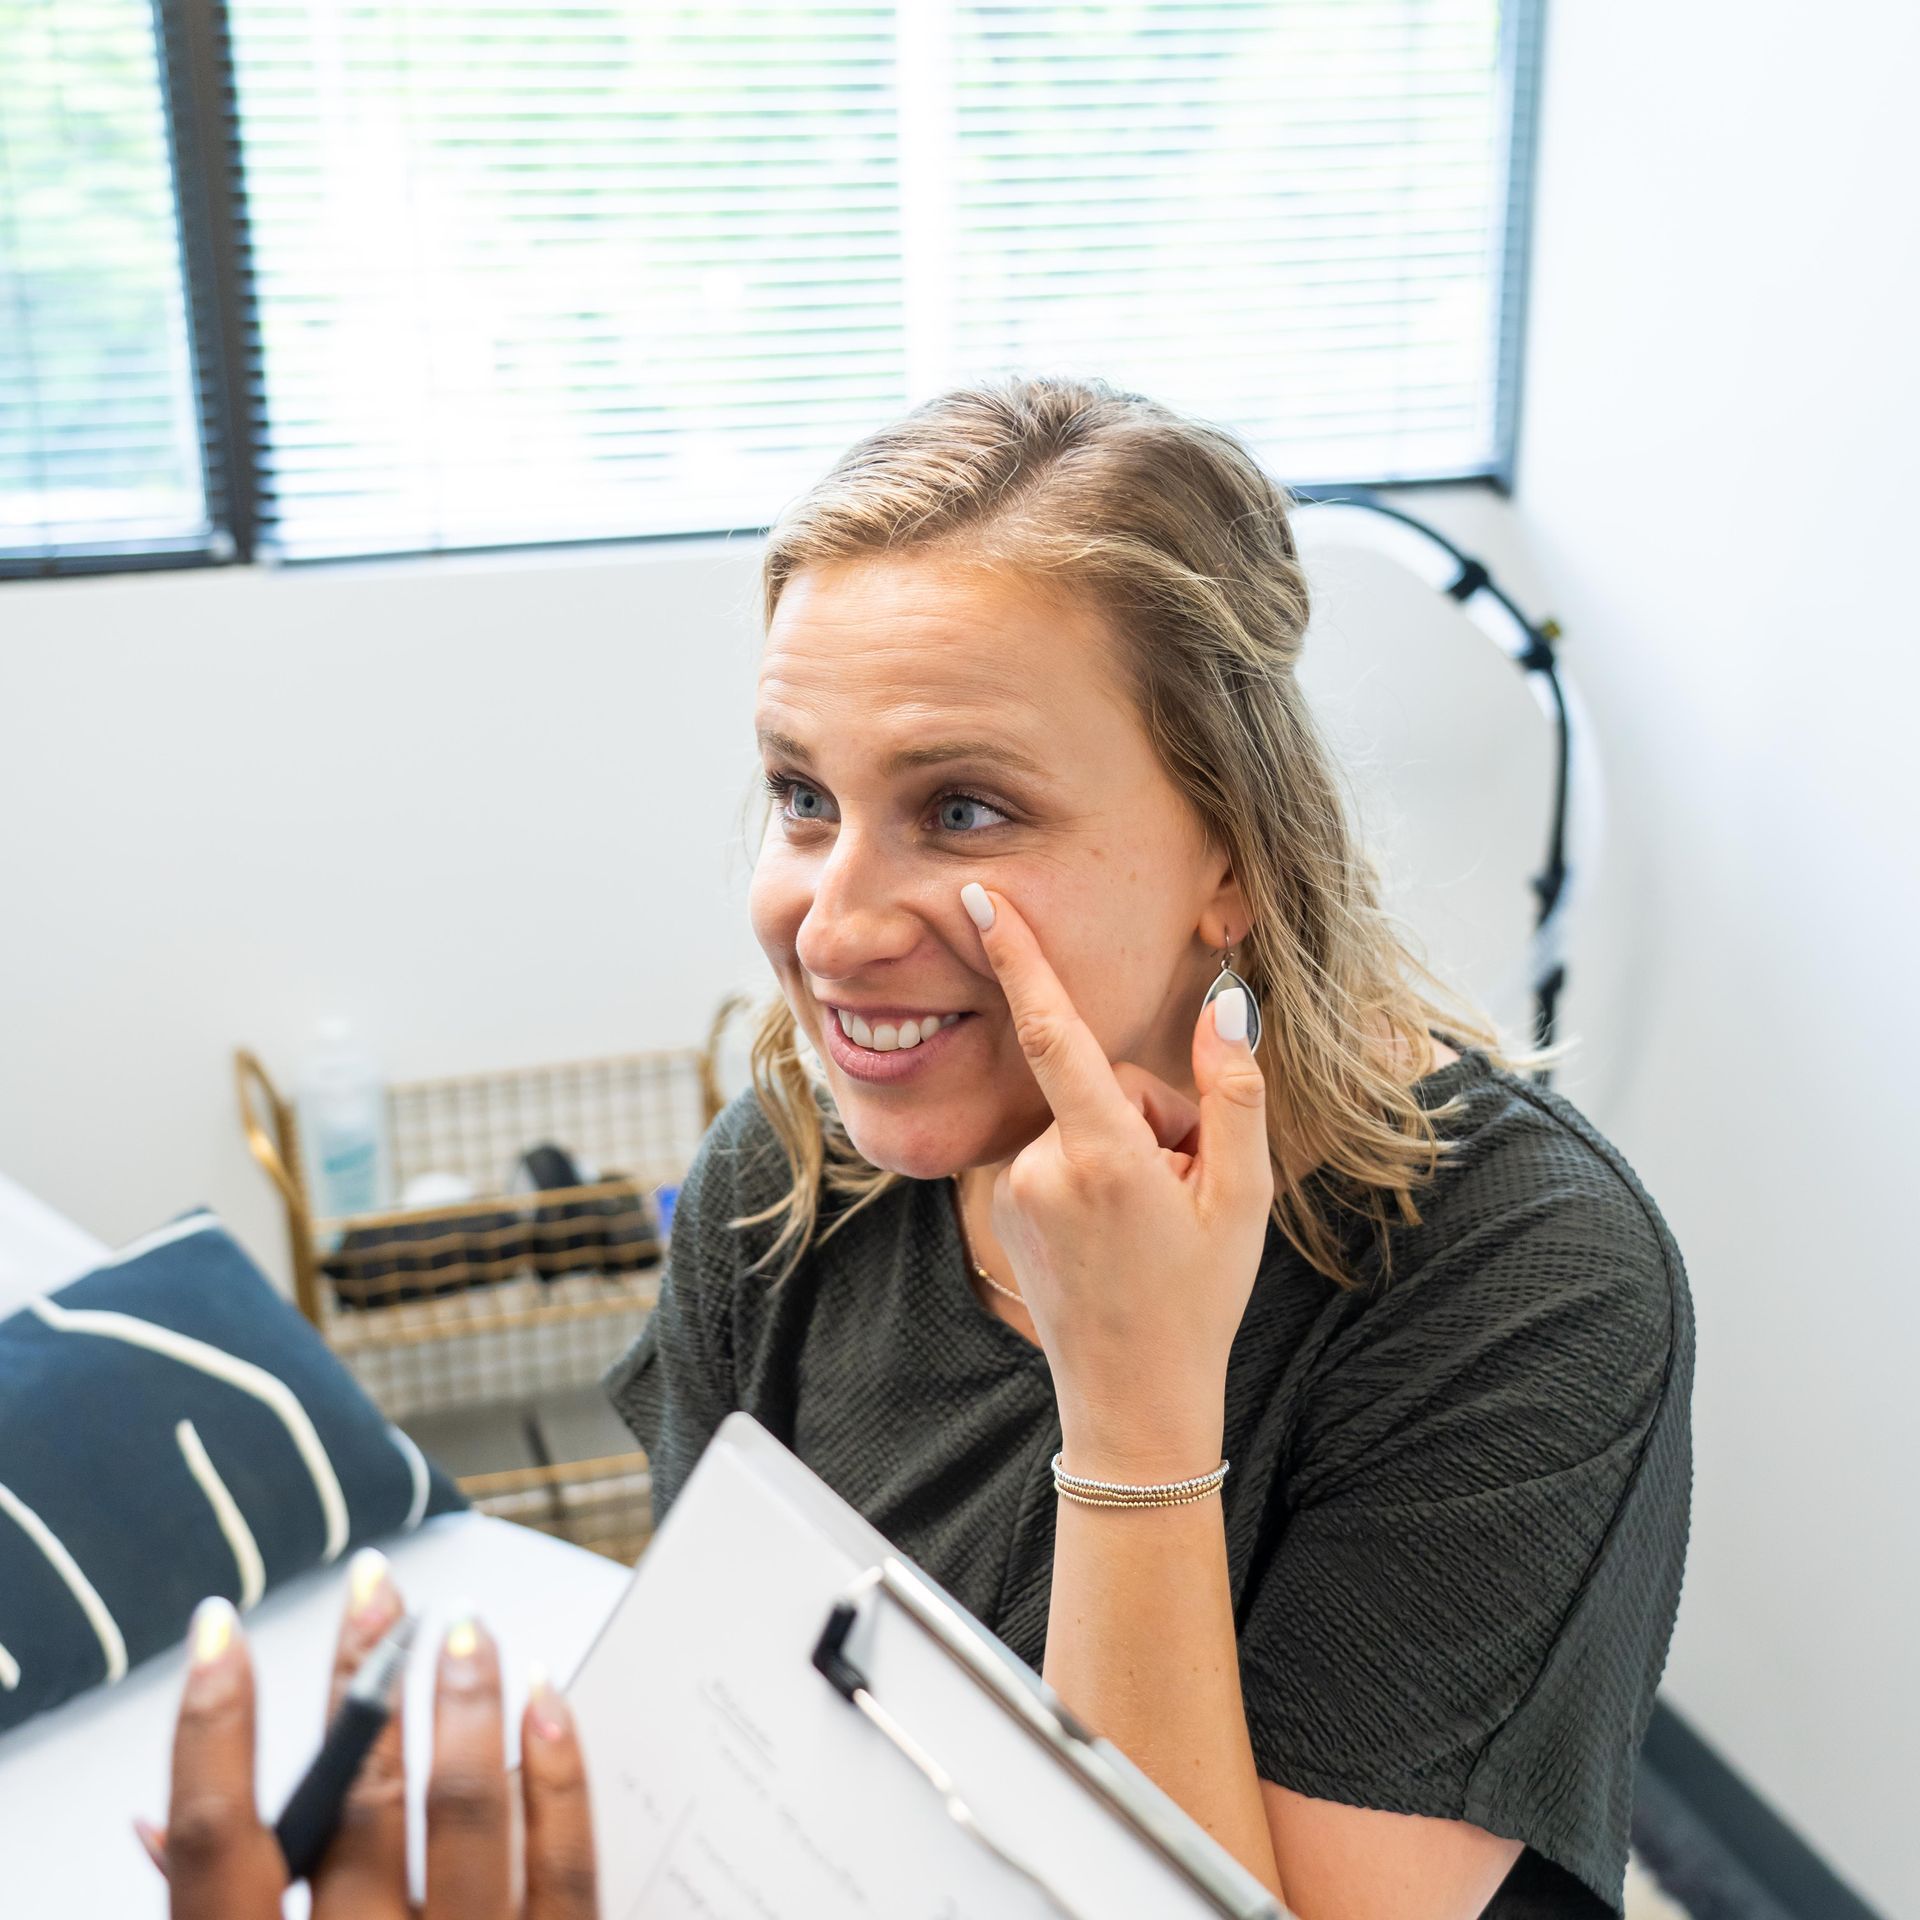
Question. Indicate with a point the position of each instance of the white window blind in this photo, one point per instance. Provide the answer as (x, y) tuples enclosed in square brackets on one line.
[(100, 448), (544, 272)]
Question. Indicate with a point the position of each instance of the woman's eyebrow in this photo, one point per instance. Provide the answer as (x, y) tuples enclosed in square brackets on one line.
[(937, 753)]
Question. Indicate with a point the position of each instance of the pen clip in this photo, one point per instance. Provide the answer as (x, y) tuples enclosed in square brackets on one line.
[(373, 1679)]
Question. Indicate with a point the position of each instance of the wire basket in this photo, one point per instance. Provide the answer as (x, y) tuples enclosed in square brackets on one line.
[(482, 1326)]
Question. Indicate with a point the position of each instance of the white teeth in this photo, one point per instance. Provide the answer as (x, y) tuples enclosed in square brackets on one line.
[(887, 1037)]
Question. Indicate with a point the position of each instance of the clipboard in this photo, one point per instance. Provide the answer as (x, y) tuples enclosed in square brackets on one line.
[(785, 1719)]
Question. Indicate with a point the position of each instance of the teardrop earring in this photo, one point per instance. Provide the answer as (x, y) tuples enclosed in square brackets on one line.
[(1228, 978)]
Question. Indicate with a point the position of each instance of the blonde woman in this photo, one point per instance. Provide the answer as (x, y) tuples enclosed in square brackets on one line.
[(1019, 1238)]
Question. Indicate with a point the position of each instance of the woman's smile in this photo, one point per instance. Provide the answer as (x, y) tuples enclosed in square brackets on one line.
[(884, 1028), (883, 1051)]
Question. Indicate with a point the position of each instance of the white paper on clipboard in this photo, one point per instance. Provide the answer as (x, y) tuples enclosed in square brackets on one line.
[(731, 1781)]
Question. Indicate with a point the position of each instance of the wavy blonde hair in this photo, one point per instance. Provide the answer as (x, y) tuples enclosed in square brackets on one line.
[(1170, 527)]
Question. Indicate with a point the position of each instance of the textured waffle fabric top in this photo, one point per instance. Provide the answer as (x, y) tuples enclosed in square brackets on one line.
[(1458, 1510)]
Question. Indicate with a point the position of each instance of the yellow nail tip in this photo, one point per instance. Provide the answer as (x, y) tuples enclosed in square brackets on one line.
[(366, 1575), (214, 1625), (463, 1639)]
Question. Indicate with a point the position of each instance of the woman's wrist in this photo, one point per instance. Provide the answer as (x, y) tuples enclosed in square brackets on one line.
[(1148, 1446)]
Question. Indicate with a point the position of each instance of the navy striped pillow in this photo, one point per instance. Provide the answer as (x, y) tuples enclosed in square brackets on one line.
[(171, 1427)]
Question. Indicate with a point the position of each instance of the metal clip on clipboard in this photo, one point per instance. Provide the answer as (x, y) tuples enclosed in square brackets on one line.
[(1049, 1722)]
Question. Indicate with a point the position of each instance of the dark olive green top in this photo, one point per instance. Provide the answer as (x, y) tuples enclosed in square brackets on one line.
[(1458, 1505)]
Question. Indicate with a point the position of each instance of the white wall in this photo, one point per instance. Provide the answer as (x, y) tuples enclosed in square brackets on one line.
[(493, 809), (1717, 489)]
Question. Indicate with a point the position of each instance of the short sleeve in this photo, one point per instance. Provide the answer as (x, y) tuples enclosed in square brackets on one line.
[(674, 1385), (1469, 1603)]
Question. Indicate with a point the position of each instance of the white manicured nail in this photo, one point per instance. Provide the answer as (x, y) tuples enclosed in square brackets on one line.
[(1230, 1013), (367, 1575), (213, 1628), (973, 896)]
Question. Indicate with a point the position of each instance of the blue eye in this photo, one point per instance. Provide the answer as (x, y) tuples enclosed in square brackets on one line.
[(948, 800), (782, 787)]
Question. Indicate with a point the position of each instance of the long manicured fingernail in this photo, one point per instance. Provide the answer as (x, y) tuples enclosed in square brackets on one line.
[(369, 1586), (1230, 1014), (973, 896), (215, 1625), (548, 1707), (151, 1838)]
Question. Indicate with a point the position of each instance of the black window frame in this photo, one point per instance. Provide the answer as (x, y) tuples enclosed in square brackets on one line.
[(201, 108)]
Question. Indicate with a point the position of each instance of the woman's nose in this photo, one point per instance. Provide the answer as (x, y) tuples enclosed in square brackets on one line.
[(862, 911)]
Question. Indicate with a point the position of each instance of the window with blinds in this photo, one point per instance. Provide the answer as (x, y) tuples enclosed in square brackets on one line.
[(101, 452), (511, 271), (555, 272)]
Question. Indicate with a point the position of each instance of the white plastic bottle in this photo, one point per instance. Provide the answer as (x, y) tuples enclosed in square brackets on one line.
[(342, 1106)]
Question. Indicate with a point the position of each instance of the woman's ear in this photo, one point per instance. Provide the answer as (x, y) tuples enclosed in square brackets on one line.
[(1226, 914)]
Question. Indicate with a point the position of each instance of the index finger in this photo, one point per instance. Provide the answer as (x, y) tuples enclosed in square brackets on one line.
[(1069, 1063), (222, 1863)]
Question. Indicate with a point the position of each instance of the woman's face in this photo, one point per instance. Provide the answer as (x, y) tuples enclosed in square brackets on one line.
[(931, 724)]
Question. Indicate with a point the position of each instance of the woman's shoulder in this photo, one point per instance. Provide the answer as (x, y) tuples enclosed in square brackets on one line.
[(742, 1150), (1541, 1270), (740, 1167), (1522, 1153), (743, 1168)]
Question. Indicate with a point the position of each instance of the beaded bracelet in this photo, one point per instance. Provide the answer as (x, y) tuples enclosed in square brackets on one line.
[(1117, 1493)]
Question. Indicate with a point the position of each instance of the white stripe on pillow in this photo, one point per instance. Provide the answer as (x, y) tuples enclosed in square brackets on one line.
[(68, 1568), (417, 1466), (236, 1373), (226, 1509)]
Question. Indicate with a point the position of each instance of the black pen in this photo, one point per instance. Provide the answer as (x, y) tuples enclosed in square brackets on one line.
[(313, 1812)]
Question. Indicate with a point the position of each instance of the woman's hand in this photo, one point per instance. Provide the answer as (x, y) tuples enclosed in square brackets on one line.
[(222, 1862), (1135, 1229)]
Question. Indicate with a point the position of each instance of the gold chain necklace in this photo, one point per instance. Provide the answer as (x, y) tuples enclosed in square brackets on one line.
[(960, 1216)]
